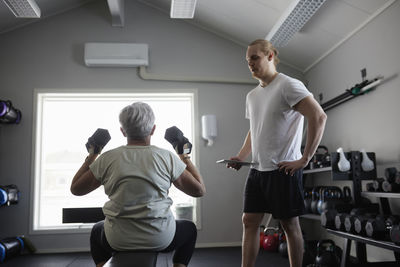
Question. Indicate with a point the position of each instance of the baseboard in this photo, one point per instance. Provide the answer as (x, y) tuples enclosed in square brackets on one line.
[(219, 244), (87, 249), (62, 250)]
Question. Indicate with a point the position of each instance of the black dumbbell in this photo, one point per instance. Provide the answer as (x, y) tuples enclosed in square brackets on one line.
[(377, 184), (360, 221), (379, 227), (328, 216), (370, 187), (9, 194), (179, 142), (10, 247), (395, 234), (339, 221), (390, 187), (349, 219), (98, 140), (392, 175)]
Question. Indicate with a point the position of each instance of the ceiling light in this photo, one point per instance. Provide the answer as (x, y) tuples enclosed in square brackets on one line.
[(182, 9), (292, 20), (23, 8)]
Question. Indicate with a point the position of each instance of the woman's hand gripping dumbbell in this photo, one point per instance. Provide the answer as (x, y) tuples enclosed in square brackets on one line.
[(97, 141), (178, 141)]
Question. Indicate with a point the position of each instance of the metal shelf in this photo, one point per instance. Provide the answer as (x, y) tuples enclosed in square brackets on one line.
[(325, 169), (311, 216), (369, 241), (380, 194)]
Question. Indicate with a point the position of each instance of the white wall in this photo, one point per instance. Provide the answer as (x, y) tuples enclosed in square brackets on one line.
[(49, 54), (370, 121)]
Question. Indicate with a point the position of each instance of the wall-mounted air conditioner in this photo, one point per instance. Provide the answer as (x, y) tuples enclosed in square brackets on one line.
[(116, 55)]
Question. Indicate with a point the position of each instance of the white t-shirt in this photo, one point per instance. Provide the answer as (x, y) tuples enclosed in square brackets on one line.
[(136, 180), (275, 127)]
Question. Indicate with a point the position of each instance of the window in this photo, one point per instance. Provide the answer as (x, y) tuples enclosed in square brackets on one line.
[(64, 122)]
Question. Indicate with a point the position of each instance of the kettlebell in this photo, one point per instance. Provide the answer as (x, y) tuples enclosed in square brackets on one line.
[(330, 199), (262, 236), (314, 199), (308, 199), (271, 240), (327, 254)]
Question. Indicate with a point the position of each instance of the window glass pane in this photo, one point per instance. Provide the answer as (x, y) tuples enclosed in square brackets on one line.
[(65, 123)]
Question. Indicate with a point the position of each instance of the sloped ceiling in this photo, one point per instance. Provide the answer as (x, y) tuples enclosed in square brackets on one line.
[(242, 21)]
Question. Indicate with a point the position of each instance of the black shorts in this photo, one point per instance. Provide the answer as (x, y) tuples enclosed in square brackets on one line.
[(274, 192)]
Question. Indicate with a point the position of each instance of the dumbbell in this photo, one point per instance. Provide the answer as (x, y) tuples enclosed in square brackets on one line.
[(349, 219), (354, 213), (395, 234), (390, 187), (360, 221), (8, 114), (392, 175), (328, 216), (9, 194), (10, 247), (377, 184), (370, 187), (341, 217), (379, 227), (98, 140), (339, 221), (179, 142)]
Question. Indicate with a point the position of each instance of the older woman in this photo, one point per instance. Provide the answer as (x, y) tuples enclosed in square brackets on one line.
[(136, 178)]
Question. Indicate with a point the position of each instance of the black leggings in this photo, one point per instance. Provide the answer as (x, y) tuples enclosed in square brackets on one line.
[(183, 243)]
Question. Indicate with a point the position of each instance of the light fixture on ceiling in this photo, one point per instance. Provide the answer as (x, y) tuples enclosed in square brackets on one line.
[(292, 20), (182, 9), (23, 8)]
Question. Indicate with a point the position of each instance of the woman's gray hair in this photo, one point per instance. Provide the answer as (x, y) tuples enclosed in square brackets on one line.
[(137, 120)]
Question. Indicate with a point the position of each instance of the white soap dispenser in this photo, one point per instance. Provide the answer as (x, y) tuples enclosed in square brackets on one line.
[(366, 164), (343, 164)]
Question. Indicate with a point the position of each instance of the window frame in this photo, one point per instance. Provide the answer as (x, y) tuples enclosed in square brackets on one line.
[(39, 95)]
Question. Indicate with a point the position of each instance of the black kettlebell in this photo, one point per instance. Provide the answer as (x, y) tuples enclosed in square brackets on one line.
[(327, 254), (314, 199), (307, 199), (347, 194), (331, 199), (283, 249)]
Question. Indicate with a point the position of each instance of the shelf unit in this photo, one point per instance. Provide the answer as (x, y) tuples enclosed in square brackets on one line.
[(325, 169), (312, 216), (356, 174), (380, 194)]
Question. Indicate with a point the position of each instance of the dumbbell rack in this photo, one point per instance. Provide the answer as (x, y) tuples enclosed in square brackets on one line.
[(356, 174)]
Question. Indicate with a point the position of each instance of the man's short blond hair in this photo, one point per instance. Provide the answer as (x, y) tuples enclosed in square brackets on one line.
[(266, 47)]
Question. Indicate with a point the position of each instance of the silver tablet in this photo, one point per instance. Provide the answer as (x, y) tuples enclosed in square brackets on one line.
[(244, 163)]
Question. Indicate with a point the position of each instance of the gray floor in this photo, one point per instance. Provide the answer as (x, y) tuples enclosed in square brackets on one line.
[(204, 257)]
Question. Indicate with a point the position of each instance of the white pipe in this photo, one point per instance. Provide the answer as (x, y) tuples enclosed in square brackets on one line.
[(184, 78)]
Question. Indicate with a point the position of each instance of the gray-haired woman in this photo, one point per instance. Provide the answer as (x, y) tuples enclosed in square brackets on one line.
[(136, 178)]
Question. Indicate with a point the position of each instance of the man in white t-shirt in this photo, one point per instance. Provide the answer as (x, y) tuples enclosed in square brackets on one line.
[(276, 108), (136, 178)]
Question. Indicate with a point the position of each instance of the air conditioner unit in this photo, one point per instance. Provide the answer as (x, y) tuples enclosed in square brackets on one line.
[(116, 55)]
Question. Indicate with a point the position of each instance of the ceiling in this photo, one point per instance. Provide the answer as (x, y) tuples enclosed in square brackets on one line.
[(242, 21)]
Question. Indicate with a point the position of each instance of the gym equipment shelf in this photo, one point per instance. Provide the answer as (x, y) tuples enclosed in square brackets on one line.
[(369, 241), (325, 169), (380, 194), (311, 216), (363, 257)]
